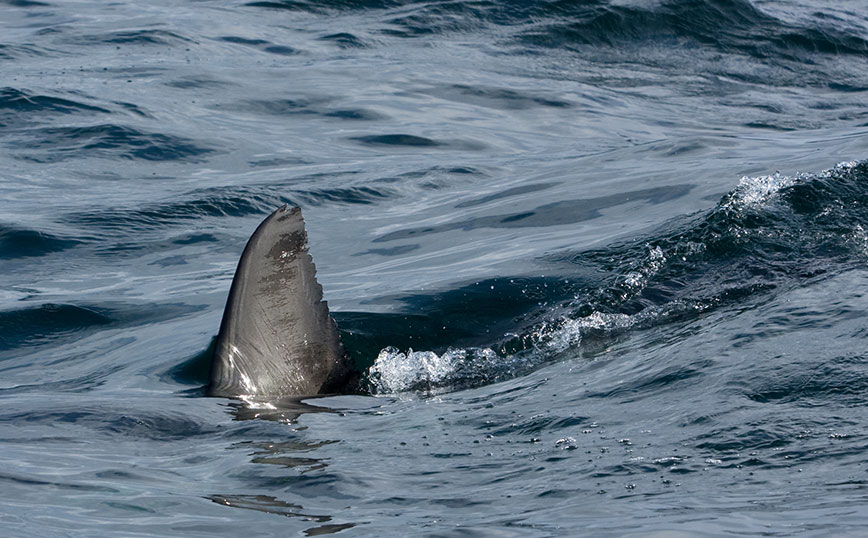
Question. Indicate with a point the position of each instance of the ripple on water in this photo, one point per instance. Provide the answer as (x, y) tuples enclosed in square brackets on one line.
[(749, 29), (553, 214), (210, 202), (840, 380), (110, 141), (147, 37), (14, 101), (400, 140), (306, 106), (345, 40), (47, 323), (18, 242), (499, 98)]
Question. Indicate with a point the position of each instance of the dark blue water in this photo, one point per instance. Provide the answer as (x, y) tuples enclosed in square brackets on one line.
[(604, 263)]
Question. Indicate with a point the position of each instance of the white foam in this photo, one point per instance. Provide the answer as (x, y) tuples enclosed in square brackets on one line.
[(759, 190), (637, 280), (756, 191), (396, 371)]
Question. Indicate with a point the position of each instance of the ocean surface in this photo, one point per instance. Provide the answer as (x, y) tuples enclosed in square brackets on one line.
[(604, 264)]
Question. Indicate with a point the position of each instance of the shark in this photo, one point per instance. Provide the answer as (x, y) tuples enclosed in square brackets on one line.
[(277, 338)]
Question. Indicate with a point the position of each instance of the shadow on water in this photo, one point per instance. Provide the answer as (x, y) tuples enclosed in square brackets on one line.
[(194, 370)]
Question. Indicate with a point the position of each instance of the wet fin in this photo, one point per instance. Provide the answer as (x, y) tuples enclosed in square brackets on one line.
[(277, 338)]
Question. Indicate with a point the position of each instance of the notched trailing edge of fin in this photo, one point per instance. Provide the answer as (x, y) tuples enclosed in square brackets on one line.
[(277, 338)]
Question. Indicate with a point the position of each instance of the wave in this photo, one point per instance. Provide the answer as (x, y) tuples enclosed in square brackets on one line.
[(18, 101), (18, 107), (18, 242), (495, 97), (116, 422), (719, 42), (725, 25), (552, 214), (345, 40), (318, 6), (305, 107), (46, 323), (25, 50), (770, 234), (25, 3), (212, 202), (215, 202), (54, 144), (135, 37), (124, 232)]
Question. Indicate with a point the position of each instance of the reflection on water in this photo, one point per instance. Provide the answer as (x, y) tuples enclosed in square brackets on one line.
[(286, 410), (270, 505), (282, 454)]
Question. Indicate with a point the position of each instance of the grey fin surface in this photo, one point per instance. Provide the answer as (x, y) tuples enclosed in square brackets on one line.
[(277, 338)]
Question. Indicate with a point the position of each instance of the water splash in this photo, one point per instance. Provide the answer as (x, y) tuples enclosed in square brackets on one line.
[(753, 192), (396, 371), (757, 191)]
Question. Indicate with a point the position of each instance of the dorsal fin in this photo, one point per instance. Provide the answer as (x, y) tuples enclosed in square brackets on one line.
[(277, 338)]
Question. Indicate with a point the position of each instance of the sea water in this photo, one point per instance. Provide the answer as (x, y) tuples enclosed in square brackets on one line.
[(602, 262)]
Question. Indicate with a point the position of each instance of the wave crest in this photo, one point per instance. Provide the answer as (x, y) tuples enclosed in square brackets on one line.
[(771, 232)]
